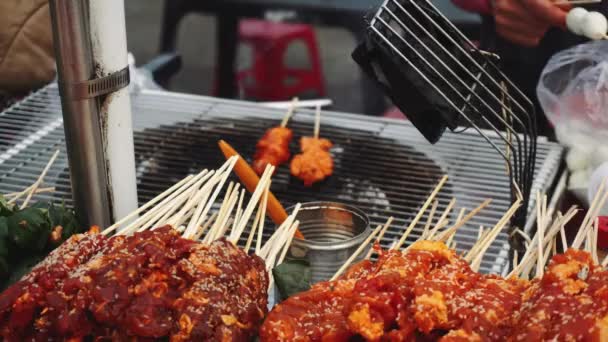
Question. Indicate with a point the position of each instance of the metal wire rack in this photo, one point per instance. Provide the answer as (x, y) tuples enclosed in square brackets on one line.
[(384, 167), (440, 80)]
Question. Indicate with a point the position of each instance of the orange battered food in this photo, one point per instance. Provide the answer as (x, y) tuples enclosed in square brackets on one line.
[(315, 163), (272, 149), (429, 293), (569, 303)]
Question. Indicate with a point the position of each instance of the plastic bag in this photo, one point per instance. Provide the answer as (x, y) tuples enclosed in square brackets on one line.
[(140, 78), (573, 92)]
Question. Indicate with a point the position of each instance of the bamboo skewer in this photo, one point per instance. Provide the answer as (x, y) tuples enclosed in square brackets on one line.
[(201, 216), (452, 234), (387, 224), (442, 221), (290, 112), (443, 236), (204, 227), (421, 211), (252, 232), (541, 233), (268, 247), (476, 263), (598, 202), (180, 193), (291, 235), (150, 203), (255, 197), (39, 181), (356, 253), (262, 212), (317, 122), (37, 191), (429, 220)]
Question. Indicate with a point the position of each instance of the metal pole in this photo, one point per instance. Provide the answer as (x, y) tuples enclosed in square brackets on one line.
[(75, 64)]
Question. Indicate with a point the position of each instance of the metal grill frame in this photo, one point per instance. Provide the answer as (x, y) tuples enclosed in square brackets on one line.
[(32, 129)]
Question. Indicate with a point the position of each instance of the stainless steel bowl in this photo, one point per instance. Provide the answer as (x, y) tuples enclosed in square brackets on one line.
[(333, 232)]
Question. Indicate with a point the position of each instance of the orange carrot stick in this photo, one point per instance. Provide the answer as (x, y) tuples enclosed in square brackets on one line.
[(250, 180)]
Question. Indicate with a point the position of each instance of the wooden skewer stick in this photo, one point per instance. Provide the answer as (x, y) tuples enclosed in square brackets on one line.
[(421, 211), (442, 219), (605, 262), (198, 194), (253, 231), (356, 253), (445, 234), (292, 231), (598, 202), (317, 122), (181, 192), (541, 233), (168, 217), (433, 236), (205, 199), (593, 240), (271, 243), (547, 253), (222, 213), (255, 197), (196, 222), (20, 194), (226, 210), (258, 243), (481, 237), (239, 210), (387, 224), (203, 228), (162, 214), (275, 247), (283, 246), (530, 257), (38, 191), (429, 221), (451, 236), (290, 111), (505, 219), (150, 203), (181, 220), (34, 187)]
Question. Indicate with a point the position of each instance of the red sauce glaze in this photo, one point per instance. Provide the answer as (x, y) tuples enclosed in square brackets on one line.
[(150, 285), (428, 293), (570, 302)]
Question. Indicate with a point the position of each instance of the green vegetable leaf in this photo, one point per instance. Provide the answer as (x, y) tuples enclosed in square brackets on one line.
[(64, 217), (30, 228), (5, 208), (292, 276)]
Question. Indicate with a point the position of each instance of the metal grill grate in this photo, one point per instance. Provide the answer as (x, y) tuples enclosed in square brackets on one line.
[(385, 167)]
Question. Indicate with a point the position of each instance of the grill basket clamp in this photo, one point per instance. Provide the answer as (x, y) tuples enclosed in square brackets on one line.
[(96, 87), (440, 80)]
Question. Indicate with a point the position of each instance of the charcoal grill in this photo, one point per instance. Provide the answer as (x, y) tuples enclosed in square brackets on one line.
[(383, 166)]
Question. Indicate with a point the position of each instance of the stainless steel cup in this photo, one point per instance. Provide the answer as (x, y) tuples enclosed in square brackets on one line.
[(333, 232)]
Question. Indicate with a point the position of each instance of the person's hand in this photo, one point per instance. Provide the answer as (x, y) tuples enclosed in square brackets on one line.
[(525, 22)]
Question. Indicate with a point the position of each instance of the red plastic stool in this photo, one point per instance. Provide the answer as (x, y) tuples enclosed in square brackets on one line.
[(269, 78)]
